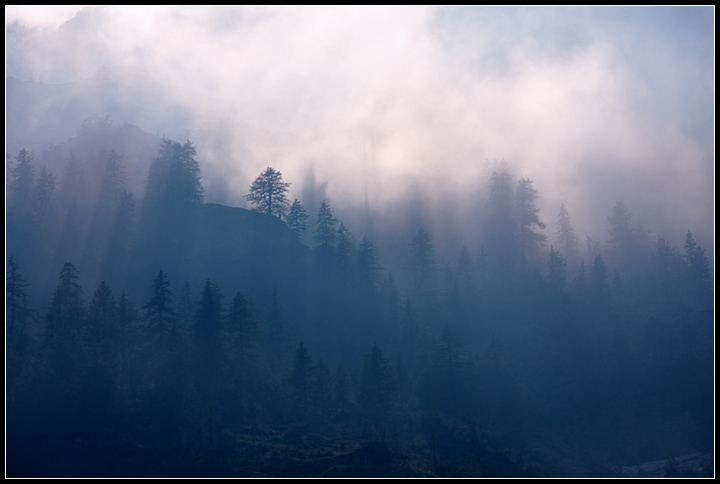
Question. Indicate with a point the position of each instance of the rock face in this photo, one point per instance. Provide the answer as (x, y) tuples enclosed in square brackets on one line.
[(691, 465)]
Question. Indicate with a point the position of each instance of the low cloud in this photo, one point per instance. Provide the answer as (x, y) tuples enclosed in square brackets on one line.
[(392, 104)]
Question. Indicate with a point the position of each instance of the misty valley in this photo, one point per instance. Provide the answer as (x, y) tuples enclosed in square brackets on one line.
[(150, 333)]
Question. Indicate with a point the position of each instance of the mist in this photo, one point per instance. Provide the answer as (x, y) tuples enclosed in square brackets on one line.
[(360, 241), (595, 105)]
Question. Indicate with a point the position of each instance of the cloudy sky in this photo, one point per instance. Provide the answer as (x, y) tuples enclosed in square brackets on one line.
[(595, 105)]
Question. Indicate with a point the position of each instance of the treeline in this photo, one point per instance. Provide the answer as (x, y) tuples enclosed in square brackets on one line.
[(507, 359), (111, 387), (114, 388)]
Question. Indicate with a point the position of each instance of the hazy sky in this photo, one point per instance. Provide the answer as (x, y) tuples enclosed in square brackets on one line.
[(595, 105)]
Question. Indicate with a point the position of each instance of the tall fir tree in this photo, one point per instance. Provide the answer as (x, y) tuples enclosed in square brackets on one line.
[(18, 330), (529, 224), (699, 270), (377, 383), (159, 315), (345, 249), (173, 196), (499, 228), (297, 219), (326, 226), (63, 358), (565, 234), (557, 269), (21, 231), (368, 263), (207, 337)]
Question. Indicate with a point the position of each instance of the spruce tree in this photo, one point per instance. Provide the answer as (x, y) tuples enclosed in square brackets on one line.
[(207, 337), (297, 219), (160, 316), (565, 234), (17, 306), (325, 230), (699, 270), (18, 316), (377, 382), (344, 249), (242, 327), (368, 263), (557, 273), (529, 224)]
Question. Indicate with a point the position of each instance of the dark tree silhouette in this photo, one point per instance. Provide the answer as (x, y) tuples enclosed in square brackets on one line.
[(160, 317), (345, 249), (621, 230), (565, 234), (21, 230), (17, 305), (184, 178), (44, 219), (67, 308), (626, 243), (62, 359), (368, 263), (698, 265), (242, 327), (18, 316), (377, 382), (208, 320), (105, 355), (528, 220), (500, 223), (174, 180), (22, 182), (297, 219), (325, 229), (208, 327), (173, 197), (44, 198), (667, 273), (268, 193)]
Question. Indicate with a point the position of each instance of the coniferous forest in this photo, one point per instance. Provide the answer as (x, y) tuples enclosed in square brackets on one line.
[(359, 241), (151, 334)]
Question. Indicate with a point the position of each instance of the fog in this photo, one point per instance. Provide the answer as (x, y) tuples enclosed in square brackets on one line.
[(479, 330), (594, 105)]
